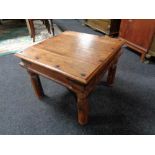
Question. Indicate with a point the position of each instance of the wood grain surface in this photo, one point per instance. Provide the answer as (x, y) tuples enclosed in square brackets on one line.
[(75, 55)]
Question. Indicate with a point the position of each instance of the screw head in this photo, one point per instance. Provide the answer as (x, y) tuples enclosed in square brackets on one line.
[(57, 66), (83, 74), (37, 57)]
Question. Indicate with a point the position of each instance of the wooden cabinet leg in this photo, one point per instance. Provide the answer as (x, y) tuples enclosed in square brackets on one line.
[(142, 57), (82, 105), (111, 74), (36, 83)]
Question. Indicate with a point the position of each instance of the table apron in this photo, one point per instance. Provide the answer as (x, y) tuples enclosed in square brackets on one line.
[(53, 75)]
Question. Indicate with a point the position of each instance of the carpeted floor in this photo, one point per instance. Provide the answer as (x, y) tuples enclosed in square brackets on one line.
[(75, 25), (126, 108)]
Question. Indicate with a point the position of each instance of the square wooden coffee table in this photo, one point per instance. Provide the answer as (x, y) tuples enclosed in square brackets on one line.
[(75, 60)]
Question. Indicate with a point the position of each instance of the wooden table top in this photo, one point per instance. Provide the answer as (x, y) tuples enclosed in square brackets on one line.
[(76, 55)]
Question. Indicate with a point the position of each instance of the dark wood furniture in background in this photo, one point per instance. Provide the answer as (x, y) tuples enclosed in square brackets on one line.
[(48, 23), (108, 26), (138, 34), (151, 52), (75, 60)]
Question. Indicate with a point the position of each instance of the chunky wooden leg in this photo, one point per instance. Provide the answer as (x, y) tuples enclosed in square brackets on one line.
[(111, 74), (36, 83), (82, 105)]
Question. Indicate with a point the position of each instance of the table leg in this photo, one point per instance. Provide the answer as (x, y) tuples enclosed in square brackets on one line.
[(36, 83), (32, 28), (111, 74), (52, 26), (47, 24), (82, 105), (28, 26)]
